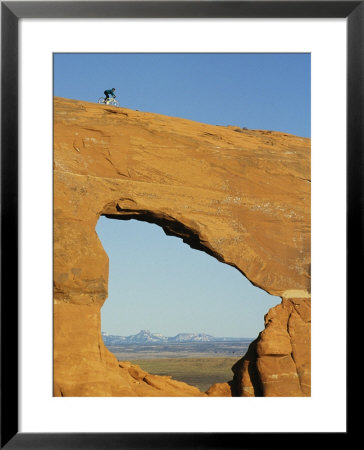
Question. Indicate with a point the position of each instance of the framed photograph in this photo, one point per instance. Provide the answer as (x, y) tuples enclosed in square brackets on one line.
[(55, 188)]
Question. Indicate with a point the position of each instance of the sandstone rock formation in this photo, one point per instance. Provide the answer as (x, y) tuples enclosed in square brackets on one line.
[(242, 196), (219, 390), (278, 363)]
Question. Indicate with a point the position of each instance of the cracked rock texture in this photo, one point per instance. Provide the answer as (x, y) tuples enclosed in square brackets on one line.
[(242, 196)]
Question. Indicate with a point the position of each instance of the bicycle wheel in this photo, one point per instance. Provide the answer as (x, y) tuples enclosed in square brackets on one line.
[(113, 102), (101, 100)]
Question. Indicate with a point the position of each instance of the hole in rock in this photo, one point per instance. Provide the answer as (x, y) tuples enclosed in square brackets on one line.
[(174, 310)]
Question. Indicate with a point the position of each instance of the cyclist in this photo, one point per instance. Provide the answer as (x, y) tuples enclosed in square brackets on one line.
[(109, 92)]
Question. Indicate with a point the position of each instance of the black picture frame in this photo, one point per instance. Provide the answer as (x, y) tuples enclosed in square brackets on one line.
[(11, 12)]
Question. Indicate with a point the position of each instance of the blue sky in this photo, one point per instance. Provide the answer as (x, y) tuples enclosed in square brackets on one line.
[(259, 91), (156, 281), (159, 283)]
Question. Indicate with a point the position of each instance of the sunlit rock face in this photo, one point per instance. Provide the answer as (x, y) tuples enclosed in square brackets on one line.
[(242, 196)]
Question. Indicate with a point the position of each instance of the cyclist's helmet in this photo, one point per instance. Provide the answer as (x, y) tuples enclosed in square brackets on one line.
[(113, 89)]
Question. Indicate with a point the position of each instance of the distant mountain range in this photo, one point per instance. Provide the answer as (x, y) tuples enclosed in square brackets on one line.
[(145, 337)]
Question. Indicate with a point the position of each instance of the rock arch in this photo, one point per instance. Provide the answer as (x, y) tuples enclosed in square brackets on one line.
[(243, 197)]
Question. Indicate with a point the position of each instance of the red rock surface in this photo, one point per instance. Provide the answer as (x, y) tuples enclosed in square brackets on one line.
[(219, 390), (278, 363), (243, 196)]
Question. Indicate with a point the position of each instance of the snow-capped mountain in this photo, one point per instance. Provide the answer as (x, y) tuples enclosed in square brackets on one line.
[(145, 337), (192, 337), (112, 339)]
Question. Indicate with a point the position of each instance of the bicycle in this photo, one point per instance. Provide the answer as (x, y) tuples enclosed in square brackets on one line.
[(110, 101)]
